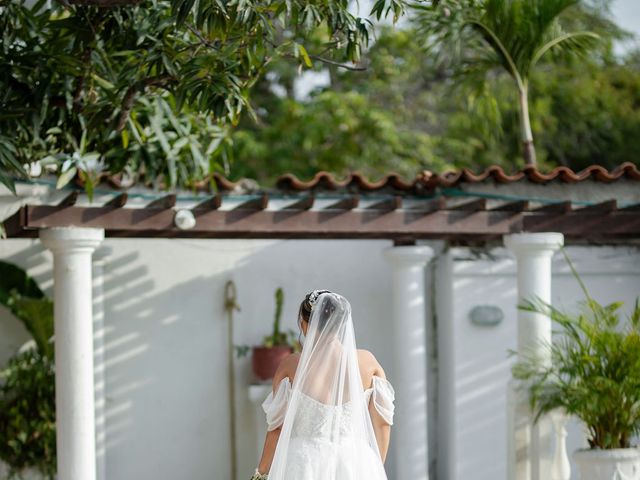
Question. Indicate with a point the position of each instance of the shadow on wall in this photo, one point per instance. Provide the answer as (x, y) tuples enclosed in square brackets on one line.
[(165, 339)]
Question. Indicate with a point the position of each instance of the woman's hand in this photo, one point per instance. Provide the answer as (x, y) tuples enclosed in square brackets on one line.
[(259, 476)]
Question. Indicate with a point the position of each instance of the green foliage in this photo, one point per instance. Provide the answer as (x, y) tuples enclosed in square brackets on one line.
[(383, 119), (408, 112), (278, 314), (278, 337), (588, 118), (594, 372), (27, 414), (333, 131), (79, 83), (511, 36), (14, 278), (37, 316), (27, 399), (22, 296)]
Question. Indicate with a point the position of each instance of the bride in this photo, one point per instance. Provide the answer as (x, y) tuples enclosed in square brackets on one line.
[(330, 412)]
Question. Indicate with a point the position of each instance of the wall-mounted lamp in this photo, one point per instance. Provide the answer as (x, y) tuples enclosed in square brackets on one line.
[(184, 219)]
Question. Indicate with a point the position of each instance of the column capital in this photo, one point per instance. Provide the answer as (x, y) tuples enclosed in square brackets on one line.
[(535, 244), (409, 254), (71, 239)]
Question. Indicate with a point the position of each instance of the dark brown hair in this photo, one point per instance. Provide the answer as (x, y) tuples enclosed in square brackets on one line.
[(304, 314)]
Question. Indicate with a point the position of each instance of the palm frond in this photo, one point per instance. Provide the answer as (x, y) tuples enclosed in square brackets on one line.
[(576, 43)]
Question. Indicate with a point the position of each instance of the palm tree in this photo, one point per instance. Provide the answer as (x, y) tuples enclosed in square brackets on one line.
[(513, 35)]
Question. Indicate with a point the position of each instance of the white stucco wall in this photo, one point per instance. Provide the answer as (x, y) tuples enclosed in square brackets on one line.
[(165, 345), (166, 352), (474, 366)]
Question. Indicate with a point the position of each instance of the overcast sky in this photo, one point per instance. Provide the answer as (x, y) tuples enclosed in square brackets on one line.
[(627, 15)]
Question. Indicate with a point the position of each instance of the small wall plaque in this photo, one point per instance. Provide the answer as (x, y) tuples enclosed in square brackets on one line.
[(486, 315)]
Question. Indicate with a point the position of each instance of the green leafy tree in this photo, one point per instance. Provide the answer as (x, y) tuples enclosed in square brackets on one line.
[(74, 77), (508, 35)]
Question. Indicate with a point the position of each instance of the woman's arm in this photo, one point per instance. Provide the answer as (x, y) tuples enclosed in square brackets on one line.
[(381, 428), (269, 449), (383, 432), (272, 437)]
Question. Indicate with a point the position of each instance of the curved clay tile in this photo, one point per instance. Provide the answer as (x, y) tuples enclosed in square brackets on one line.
[(499, 175), (223, 183), (534, 175), (448, 178), (325, 180), (291, 182), (425, 180), (626, 169), (392, 180)]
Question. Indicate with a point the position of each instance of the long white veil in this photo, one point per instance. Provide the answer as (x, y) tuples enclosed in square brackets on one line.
[(327, 422)]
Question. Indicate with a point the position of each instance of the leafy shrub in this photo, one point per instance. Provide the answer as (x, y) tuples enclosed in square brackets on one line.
[(594, 372), (27, 414)]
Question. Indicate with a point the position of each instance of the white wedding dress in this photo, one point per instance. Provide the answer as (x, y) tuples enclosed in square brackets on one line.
[(327, 433)]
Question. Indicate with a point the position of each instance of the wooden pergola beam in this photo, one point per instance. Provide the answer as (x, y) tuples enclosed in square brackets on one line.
[(347, 203), (558, 207), (302, 204), (388, 205), (69, 200), (254, 204), (515, 206), (211, 203), (166, 202), (356, 224), (607, 206), (118, 201)]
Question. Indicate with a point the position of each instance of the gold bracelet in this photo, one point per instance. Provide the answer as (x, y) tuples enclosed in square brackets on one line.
[(259, 476)]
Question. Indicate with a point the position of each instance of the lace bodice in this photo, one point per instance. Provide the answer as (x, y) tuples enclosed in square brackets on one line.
[(313, 416), (314, 419)]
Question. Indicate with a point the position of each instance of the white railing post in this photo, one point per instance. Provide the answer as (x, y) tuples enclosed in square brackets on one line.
[(560, 467)]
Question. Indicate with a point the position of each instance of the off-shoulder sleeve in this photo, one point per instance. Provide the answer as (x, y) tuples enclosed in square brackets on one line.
[(382, 396), (275, 406)]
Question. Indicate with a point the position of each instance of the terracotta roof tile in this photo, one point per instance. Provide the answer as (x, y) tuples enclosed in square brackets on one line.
[(425, 181), (428, 180), (325, 180)]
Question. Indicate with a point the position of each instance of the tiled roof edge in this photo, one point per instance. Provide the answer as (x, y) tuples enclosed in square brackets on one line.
[(425, 180)]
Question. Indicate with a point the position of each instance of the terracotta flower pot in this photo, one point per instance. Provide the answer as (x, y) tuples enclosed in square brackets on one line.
[(265, 360)]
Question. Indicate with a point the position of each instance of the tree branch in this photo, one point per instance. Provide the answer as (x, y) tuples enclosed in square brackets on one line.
[(338, 64), (132, 92)]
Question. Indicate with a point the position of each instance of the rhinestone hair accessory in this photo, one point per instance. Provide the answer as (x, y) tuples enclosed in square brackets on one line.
[(313, 297)]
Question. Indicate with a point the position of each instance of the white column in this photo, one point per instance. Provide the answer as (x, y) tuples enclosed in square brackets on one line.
[(530, 445), (410, 432), (75, 415), (100, 257), (533, 253)]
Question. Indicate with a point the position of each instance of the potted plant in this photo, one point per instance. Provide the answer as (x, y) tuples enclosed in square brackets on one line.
[(27, 383), (275, 347), (594, 375)]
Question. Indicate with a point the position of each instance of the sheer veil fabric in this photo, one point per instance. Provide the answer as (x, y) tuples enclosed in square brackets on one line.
[(327, 432)]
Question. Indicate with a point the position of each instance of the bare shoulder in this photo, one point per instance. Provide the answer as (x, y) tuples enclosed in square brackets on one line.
[(287, 368), (368, 362)]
